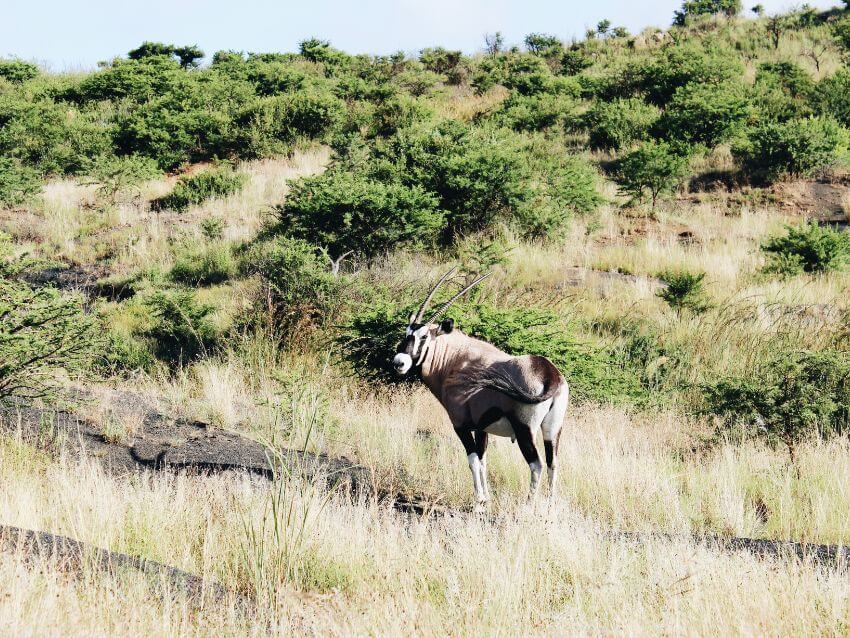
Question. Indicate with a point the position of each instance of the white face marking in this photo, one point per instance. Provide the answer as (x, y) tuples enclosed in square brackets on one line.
[(402, 363)]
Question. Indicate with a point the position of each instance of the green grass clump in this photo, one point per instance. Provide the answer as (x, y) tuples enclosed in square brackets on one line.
[(206, 265), (683, 291), (195, 189)]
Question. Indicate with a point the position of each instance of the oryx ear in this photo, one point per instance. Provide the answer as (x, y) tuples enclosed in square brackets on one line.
[(412, 317), (446, 326)]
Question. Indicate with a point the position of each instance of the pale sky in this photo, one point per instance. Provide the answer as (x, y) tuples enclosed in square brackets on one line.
[(64, 34)]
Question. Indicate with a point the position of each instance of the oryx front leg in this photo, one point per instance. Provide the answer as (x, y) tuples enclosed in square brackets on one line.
[(475, 466), (481, 450)]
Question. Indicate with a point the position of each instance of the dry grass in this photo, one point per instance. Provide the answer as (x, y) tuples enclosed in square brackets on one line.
[(72, 225), (360, 569)]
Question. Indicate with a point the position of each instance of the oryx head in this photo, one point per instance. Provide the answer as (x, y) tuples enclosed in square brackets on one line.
[(419, 336)]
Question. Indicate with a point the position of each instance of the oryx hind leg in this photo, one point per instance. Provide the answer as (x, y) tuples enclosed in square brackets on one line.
[(525, 439), (552, 424)]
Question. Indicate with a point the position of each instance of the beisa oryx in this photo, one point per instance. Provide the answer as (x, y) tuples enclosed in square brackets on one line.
[(486, 391)]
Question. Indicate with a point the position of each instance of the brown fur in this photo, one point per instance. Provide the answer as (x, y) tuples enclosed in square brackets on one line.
[(460, 371)]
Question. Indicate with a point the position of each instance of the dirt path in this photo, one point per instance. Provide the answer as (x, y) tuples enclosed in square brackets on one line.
[(72, 556)]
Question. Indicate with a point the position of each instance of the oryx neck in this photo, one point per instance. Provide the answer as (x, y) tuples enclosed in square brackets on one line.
[(445, 354)]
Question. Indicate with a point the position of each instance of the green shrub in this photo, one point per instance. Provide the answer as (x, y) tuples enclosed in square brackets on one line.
[(525, 73), (212, 228), (125, 353), (797, 148), (791, 77), (418, 82), (683, 291), (298, 289), (271, 125), (275, 77), (320, 51), (342, 211), (788, 397), (832, 96), (18, 183), (397, 113), (188, 56), (138, 80), (450, 64), (783, 91), (594, 372), (678, 65), (563, 186), (50, 136), (204, 265), (440, 60), (705, 113), (18, 71), (477, 175), (546, 46), (574, 61), (535, 112), (841, 31), (42, 333), (809, 248), (190, 119), (620, 122), (181, 329), (654, 168), (200, 187)]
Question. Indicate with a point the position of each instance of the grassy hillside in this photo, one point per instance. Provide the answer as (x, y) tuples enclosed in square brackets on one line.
[(240, 238)]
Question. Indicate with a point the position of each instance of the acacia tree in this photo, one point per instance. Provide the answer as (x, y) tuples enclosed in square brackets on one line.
[(41, 333), (706, 7), (189, 55), (789, 397), (654, 167)]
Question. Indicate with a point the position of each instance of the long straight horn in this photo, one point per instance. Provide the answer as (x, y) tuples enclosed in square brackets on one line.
[(418, 317), (446, 305)]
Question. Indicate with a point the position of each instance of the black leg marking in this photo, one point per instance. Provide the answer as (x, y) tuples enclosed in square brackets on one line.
[(550, 453), (525, 440), (480, 443), (465, 436)]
